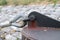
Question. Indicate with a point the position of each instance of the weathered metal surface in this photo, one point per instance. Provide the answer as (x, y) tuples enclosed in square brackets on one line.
[(44, 21), (42, 28), (41, 34)]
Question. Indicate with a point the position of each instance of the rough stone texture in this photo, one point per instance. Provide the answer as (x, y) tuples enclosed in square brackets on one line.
[(10, 33)]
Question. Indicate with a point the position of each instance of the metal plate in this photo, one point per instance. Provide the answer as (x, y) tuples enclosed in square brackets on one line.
[(44, 21)]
